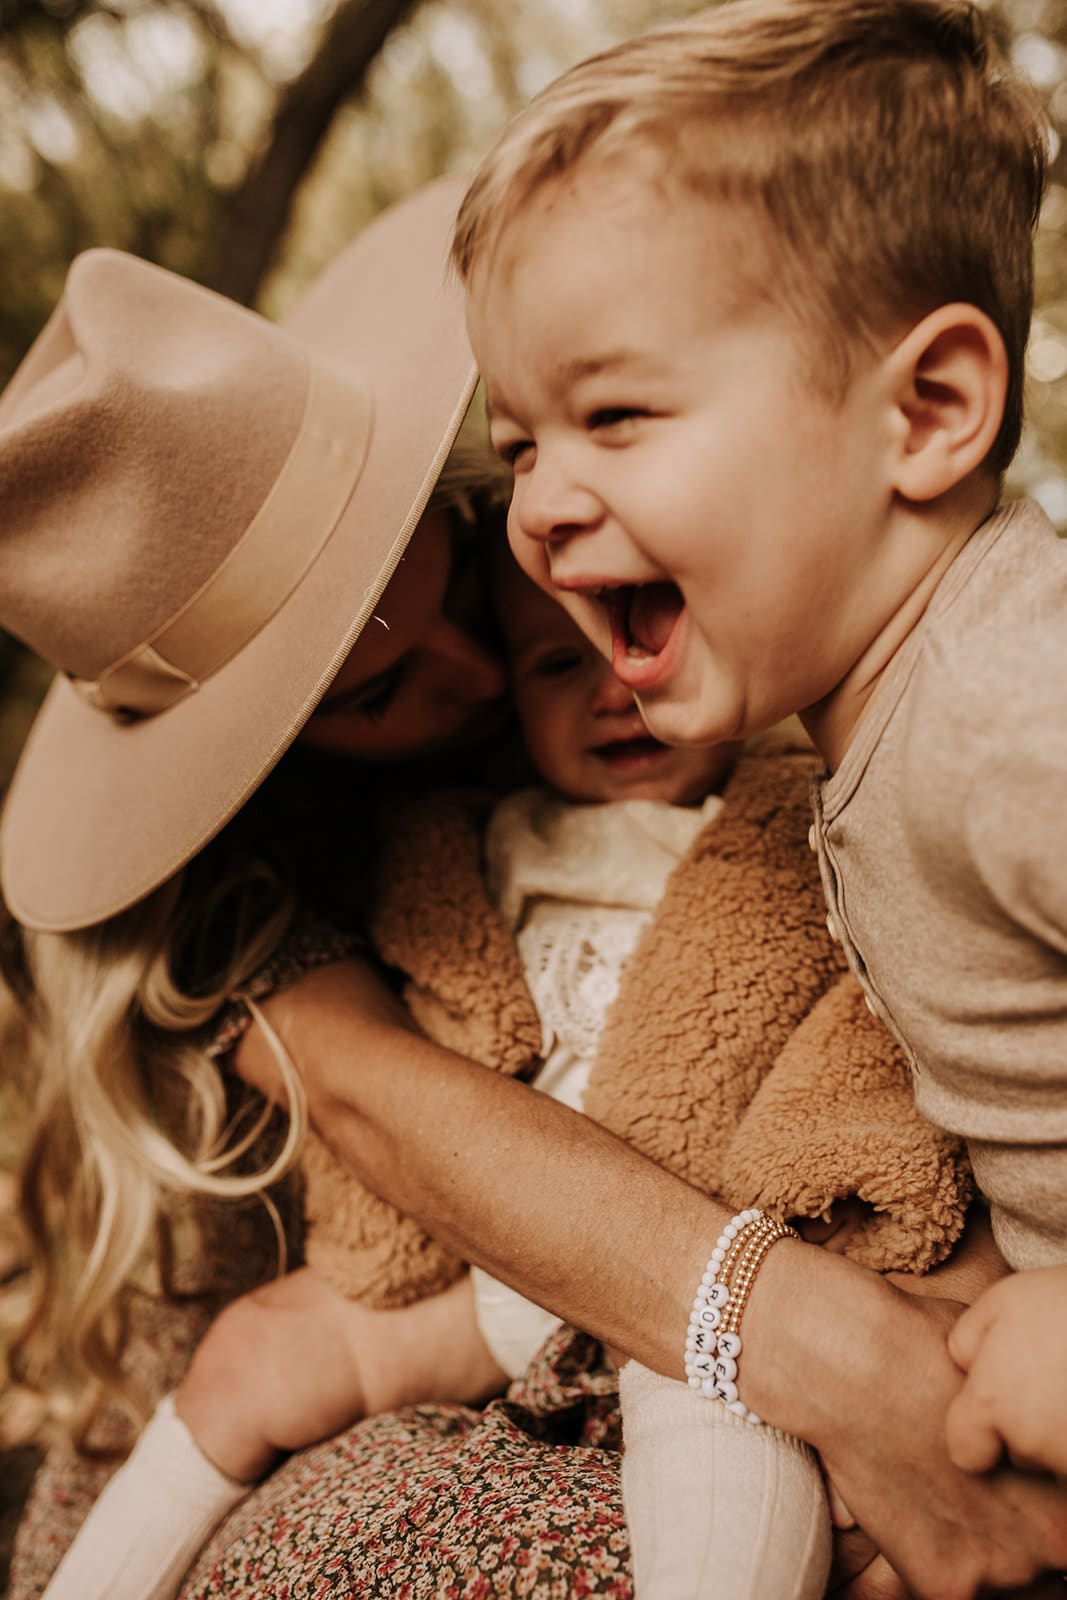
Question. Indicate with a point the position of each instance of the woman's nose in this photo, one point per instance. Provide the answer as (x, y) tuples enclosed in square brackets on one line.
[(469, 673)]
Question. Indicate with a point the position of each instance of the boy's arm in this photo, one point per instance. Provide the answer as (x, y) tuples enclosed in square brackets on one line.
[(578, 1221)]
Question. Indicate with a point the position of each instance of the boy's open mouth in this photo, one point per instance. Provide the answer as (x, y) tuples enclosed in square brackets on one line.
[(643, 616), (643, 619)]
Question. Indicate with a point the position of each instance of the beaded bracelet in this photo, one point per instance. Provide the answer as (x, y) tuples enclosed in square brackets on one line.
[(713, 1340)]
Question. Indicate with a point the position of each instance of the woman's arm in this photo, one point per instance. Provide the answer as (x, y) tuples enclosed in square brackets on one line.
[(578, 1221)]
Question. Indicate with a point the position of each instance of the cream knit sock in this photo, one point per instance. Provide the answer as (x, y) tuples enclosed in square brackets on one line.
[(717, 1507), (159, 1509)]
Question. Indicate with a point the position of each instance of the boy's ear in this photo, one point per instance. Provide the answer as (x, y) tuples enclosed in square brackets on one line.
[(950, 379)]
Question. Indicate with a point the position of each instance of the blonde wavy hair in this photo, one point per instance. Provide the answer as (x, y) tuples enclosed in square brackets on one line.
[(132, 1114)]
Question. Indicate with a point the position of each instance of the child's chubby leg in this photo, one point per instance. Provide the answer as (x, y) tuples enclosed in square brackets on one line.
[(295, 1362), (717, 1506), (283, 1367)]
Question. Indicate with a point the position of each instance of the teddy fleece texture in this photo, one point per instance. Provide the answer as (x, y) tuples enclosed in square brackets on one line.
[(739, 1053)]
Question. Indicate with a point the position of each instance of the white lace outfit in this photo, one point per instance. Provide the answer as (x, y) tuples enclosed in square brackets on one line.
[(702, 1489), (577, 885)]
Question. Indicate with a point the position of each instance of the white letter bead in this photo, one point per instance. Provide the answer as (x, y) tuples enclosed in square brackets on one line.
[(710, 1317), (703, 1339), (725, 1369), (726, 1391), (718, 1295), (705, 1365), (730, 1345)]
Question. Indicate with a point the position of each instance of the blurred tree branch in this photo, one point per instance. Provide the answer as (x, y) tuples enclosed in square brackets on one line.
[(258, 209)]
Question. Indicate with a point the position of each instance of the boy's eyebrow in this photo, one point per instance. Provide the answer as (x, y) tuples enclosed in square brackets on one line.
[(581, 367)]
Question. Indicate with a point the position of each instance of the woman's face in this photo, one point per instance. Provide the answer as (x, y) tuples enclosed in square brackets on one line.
[(417, 679)]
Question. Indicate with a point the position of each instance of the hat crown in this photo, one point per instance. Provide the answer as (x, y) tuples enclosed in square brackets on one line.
[(138, 440), (102, 808)]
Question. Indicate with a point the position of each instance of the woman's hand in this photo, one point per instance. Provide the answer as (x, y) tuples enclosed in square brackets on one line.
[(944, 1532), (1012, 1345), (862, 1371)]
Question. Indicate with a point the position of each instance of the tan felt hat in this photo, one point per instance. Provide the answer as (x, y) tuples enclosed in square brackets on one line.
[(200, 511)]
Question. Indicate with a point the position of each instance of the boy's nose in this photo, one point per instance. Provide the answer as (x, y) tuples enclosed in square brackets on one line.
[(547, 505), (469, 673)]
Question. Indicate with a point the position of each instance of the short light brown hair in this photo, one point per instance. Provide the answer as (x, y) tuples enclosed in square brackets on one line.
[(893, 159)]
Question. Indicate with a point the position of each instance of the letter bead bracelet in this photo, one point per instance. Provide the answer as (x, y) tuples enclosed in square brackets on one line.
[(713, 1342)]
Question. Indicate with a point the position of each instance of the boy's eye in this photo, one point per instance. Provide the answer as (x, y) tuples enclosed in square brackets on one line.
[(608, 418), (510, 450)]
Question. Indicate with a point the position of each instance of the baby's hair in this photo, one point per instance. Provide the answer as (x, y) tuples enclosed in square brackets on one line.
[(885, 153)]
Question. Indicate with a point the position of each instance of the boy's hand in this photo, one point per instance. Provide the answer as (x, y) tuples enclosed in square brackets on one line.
[(1011, 1345)]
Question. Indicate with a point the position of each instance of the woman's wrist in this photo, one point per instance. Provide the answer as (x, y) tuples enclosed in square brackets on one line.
[(810, 1328)]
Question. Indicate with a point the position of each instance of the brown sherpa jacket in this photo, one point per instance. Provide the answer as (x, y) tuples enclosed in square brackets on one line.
[(735, 975)]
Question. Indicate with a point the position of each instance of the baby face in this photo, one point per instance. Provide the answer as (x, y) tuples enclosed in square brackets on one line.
[(581, 726), (705, 513)]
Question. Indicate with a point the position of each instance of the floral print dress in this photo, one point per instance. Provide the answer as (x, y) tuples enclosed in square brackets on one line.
[(521, 1498)]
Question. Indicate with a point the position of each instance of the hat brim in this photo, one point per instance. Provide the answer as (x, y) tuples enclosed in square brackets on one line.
[(100, 813)]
